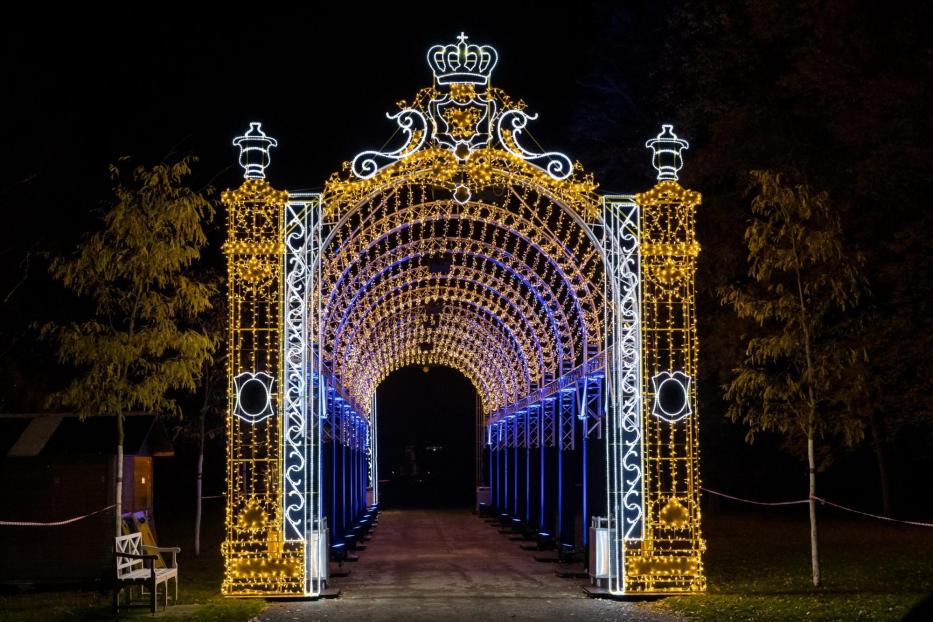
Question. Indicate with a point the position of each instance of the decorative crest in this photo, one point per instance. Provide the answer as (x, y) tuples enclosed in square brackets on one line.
[(254, 151), (462, 63), (667, 148), (253, 396), (671, 396), (463, 118)]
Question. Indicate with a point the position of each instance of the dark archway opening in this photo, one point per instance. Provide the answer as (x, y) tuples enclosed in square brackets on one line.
[(426, 438)]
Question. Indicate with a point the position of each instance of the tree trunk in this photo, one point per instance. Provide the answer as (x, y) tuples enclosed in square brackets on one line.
[(118, 490), (811, 421), (814, 541), (198, 485), (881, 458)]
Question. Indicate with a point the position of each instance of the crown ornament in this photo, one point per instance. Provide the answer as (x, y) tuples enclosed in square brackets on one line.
[(462, 63)]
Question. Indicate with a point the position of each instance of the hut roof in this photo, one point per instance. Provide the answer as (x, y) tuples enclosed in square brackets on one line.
[(26, 435)]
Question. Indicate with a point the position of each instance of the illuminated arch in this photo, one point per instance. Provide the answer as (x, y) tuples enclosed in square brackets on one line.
[(527, 244), (463, 247)]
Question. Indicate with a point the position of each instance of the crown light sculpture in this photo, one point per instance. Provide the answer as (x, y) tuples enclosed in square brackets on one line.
[(462, 113), (572, 314), (461, 63)]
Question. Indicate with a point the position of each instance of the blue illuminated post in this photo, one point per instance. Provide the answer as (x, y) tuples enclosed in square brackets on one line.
[(551, 444), (515, 493), (542, 483), (335, 431), (357, 467), (505, 466), (527, 478), (343, 469), (493, 489), (351, 470), (585, 517), (566, 425), (500, 492), (494, 465)]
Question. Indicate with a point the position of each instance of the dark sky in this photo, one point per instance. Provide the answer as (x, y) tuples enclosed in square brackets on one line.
[(751, 83), (319, 79), (83, 92)]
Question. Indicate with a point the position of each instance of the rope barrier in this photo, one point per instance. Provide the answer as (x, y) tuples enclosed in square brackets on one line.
[(708, 490), (821, 500), (14, 523), (893, 520), (722, 494), (5, 523)]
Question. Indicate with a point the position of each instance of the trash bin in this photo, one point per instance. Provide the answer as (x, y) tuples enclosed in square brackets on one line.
[(599, 548), (482, 496)]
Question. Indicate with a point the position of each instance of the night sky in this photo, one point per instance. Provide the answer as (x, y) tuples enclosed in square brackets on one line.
[(848, 102)]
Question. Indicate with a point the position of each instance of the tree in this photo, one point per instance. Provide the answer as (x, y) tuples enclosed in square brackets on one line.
[(211, 413), (214, 401), (141, 345), (802, 284)]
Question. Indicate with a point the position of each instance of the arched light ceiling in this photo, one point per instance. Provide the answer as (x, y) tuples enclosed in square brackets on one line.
[(505, 287)]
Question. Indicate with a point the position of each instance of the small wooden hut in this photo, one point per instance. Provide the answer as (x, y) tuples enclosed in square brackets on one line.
[(56, 467)]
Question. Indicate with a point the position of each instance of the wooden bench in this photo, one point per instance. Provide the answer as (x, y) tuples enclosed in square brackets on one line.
[(135, 568)]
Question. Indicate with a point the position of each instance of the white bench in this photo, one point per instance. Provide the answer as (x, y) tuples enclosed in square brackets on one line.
[(135, 568)]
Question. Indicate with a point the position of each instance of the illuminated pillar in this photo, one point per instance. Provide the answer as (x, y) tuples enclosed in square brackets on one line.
[(550, 450), (494, 467), (594, 461), (328, 456), (334, 518), (533, 468), (257, 560), (668, 559), (513, 457), (542, 469), (360, 471), (354, 466), (584, 445), (500, 490), (521, 475), (490, 450), (506, 436), (342, 470), (566, 467)]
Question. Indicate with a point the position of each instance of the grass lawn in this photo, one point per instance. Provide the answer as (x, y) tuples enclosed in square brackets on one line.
[(198, 591), (758, 566), (198, 596)]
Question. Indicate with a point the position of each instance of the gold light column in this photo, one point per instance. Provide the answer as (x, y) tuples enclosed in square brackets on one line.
[(668, 559), (256, 560)]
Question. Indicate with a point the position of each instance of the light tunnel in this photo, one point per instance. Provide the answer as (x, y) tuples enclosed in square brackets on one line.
[(491, 291), (564, 308)]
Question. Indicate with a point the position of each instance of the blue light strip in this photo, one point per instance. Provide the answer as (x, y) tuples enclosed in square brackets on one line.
[(542, 521)]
